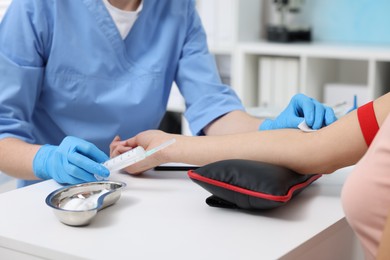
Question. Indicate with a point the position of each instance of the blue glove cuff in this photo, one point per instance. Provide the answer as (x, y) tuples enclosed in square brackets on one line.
[(40, 159), (266, 125)]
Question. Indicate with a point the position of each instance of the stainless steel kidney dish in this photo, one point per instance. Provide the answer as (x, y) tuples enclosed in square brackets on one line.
[(77, 205)]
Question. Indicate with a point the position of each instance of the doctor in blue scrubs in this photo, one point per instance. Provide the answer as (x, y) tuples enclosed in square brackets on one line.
[(76, 73)]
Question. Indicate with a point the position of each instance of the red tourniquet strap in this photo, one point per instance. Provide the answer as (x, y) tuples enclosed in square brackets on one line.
[(367, 121)]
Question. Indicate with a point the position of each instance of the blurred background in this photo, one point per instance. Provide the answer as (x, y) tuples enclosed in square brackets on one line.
[(337, 51)]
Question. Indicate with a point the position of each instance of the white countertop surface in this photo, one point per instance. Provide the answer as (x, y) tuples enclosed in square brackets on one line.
[(163, 215)]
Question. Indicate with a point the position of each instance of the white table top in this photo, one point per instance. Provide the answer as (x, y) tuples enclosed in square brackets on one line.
[(162, 215)]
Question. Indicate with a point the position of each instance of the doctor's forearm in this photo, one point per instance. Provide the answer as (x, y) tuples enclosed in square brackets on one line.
[(16, 158), (232, 123)]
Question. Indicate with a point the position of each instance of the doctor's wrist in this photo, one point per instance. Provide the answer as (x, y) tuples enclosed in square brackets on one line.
[(40, 161), (266, 125)]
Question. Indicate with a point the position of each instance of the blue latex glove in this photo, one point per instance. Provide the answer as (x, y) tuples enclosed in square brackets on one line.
[(301, 108), (73, 161)]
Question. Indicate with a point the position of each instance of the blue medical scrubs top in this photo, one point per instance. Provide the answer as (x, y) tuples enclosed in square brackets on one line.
[(65, 70)]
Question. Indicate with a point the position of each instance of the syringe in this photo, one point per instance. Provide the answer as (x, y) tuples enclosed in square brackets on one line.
[(160, 147), (130, 157), (125, 159)]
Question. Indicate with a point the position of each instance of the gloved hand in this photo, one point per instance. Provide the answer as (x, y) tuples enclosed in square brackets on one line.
[(301, 108), (73, 161)]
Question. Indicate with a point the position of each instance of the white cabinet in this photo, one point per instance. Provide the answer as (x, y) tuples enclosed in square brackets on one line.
[(320, 65), (330, 73), (309, 68), (227, 23)]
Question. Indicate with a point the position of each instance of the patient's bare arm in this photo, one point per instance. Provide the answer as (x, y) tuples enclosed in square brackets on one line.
[(338, 145)]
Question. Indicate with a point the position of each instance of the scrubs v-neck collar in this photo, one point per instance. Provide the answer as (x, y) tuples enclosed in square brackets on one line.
[(124, 20), (108, 27)]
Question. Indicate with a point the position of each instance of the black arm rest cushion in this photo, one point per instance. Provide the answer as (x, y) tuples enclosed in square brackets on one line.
[(248, 184)]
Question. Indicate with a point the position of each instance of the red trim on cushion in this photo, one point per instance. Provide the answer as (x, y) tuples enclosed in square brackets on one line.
[(367, 121), (283, 198)]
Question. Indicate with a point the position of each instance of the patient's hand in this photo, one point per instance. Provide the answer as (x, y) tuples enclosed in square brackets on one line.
[(148, 140), (118, 147)]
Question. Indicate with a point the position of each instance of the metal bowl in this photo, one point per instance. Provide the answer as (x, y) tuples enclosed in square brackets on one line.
[(77, 205)]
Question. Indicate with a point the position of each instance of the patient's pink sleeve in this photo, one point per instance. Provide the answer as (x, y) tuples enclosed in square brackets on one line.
[(366, 193)]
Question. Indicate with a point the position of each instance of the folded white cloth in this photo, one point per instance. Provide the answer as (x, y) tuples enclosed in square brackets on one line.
[(304, 127)]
